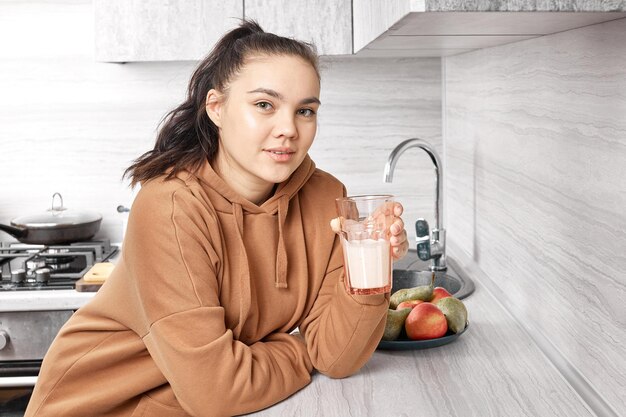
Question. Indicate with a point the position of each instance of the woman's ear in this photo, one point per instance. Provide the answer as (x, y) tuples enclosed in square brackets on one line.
[(213, 106)]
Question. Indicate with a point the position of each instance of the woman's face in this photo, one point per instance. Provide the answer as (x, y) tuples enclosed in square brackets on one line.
[(267, 120)]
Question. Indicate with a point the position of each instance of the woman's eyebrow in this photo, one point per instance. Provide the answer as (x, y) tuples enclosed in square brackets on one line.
[(268, 91), (279, 96), (310, 100)]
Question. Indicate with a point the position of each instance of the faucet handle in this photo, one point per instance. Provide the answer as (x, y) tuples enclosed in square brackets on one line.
[(422, 234)]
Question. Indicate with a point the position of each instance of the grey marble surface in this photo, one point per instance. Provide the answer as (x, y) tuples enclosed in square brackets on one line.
[(525, 5), (492, 370), (43, 300), (535, 153)]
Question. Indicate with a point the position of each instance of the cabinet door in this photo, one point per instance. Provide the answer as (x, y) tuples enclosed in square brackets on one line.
[(161, 30), (326, 23), (373, 17)]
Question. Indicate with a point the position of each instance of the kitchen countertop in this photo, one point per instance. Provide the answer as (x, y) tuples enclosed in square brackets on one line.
[(493, 369), (43, 300)]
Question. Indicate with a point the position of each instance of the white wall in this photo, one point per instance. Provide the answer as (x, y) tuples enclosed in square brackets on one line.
[(535, 145), (72, 125)]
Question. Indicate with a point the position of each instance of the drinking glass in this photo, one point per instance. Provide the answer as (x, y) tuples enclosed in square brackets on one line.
[(365, 222)]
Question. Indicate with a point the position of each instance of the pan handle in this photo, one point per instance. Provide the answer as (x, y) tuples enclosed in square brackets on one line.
[(16, 232), (59, 208)]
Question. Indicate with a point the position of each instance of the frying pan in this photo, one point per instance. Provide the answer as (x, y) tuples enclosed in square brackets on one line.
[(54, 226)]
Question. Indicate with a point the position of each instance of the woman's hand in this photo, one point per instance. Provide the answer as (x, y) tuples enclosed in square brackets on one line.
[(398, 238)]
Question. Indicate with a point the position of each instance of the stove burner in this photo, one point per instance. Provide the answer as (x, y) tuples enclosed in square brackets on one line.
[(18, 276), (42, 275), (39, 267), (59, 263)]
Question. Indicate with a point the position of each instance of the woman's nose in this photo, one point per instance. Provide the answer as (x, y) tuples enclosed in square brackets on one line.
[(285, 126)]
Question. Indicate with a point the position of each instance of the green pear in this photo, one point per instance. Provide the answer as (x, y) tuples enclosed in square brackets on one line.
[(423, 292), (455, 312), (395, 323)]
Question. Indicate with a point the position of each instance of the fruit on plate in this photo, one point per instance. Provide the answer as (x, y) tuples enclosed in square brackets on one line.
[(423, 292), (425, 321), (439, 293), (395, 322), (409, 304), (455, 312)]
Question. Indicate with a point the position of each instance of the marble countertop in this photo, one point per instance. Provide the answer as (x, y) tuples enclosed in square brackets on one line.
[(493, 369), (43, 300)]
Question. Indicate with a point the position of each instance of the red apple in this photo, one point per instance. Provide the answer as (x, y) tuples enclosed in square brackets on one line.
[(408, 304), (439, 293), (425, 321)]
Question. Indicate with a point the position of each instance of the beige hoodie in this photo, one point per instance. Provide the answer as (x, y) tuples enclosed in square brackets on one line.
[(197, 315)]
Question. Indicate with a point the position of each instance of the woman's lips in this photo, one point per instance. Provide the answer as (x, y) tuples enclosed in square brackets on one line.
[(280, 155)]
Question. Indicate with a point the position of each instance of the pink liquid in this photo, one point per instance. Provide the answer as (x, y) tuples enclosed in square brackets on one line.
[(368, 266)]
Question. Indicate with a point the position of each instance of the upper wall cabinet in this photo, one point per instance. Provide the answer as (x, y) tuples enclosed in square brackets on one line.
[(373, 17), (433, 28), (168, 30), (161, 30), (325, 23)]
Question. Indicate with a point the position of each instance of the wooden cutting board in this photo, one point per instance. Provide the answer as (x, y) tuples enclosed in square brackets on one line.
[(95, 277)]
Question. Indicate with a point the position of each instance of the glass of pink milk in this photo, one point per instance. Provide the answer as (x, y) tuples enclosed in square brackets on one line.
[(365, 222)]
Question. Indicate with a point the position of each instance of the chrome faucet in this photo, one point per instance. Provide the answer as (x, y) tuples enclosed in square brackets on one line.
[(430, 246)]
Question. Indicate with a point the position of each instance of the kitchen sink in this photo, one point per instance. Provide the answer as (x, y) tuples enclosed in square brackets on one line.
[(410, 272)]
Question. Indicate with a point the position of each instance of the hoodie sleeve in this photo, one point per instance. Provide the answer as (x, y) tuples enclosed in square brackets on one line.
[(343, 330), (174, 267)]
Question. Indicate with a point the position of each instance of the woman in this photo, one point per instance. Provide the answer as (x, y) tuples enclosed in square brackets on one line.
[(228, 250)]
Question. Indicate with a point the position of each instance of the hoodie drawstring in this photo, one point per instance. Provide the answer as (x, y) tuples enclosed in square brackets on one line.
[(281, 258), (281, 252), (246, 295)]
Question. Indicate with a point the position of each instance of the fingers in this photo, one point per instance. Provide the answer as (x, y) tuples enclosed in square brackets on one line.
[(400, 245), (397, 241), (398, 209), (397, 227)]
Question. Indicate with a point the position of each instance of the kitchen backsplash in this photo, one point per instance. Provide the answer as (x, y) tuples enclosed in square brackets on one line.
[(71, 125), (535, 149)]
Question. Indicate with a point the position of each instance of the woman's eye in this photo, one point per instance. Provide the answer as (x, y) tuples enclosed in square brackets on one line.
[(306, 112), (264, 105)]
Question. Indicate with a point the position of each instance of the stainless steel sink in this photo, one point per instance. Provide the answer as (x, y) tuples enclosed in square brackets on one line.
[(412, 272)]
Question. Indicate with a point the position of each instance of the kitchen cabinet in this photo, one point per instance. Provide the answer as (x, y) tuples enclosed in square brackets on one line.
[(433, 28), (161, 30), (165, 30), (373, 17), (326, 23)]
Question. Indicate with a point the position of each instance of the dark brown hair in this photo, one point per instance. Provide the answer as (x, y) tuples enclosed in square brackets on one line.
[(188, 137)]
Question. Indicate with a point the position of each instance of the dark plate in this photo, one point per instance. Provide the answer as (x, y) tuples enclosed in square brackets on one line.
[(405, 344)]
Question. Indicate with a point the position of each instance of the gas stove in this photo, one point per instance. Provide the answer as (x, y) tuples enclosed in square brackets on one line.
[(28, 267)]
